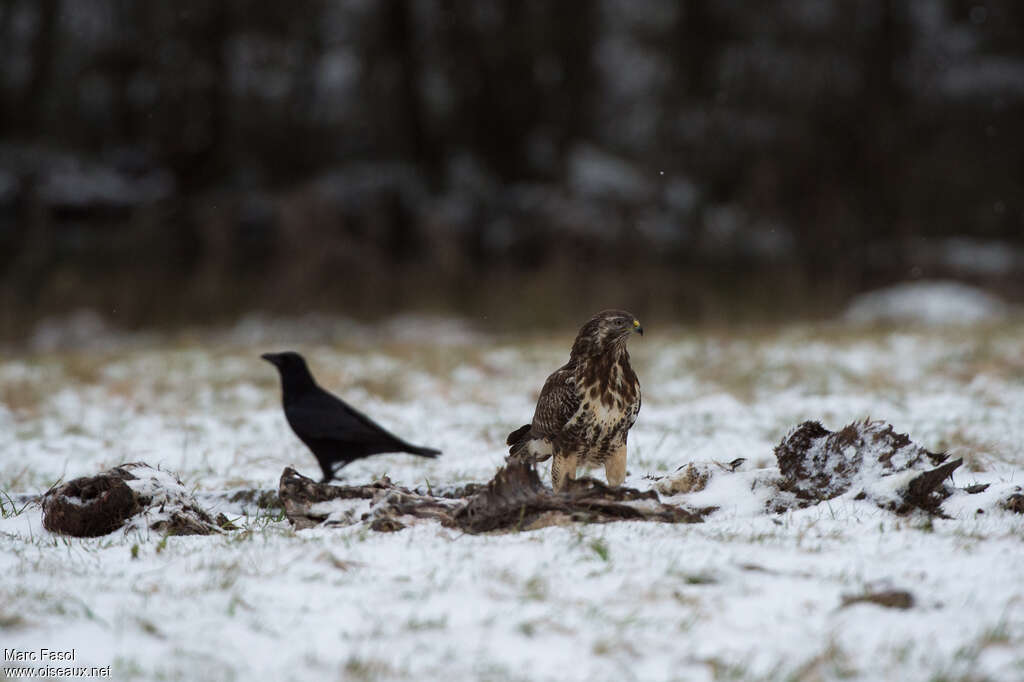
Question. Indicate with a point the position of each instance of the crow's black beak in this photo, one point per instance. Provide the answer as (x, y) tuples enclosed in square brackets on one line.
[(270, 357)]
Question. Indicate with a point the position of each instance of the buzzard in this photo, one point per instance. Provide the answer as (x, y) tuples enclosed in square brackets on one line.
[(587, 406)]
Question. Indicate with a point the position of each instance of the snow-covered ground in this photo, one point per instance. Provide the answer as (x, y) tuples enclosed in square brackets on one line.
[(745, 595)]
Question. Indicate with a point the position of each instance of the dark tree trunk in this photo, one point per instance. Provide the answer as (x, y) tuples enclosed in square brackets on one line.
[(44, 47), (399, 41)]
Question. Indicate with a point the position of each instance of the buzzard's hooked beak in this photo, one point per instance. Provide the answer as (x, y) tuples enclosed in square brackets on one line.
[(637, 328)]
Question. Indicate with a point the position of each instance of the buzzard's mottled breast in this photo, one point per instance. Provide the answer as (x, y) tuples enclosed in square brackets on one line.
[(609, 403)]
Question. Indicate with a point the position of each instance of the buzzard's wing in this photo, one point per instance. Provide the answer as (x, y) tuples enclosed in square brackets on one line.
[(636, 407), (558, 402), (559, 399)]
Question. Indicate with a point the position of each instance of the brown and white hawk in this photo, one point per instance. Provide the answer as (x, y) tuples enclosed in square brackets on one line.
[(587, 406)]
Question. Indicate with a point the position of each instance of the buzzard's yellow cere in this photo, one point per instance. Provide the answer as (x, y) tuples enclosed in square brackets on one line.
[(587, 406)]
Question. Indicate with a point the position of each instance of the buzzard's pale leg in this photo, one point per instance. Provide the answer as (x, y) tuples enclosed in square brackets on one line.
[(615, 467), (563, 468)]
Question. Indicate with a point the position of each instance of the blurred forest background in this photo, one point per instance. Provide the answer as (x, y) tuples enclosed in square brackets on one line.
[(170, 162)]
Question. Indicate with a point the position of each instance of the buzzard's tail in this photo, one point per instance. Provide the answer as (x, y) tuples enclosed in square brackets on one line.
[(523, 446), (518, 436)]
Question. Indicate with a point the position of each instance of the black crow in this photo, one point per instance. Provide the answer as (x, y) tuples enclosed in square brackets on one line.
[(337, 433)]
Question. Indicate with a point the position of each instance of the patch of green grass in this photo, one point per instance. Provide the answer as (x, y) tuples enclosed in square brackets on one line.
[(417, 624), (10, 508), (536, 588), (997, 635), (149, 627), (690, 578), (699, 579), (830, 663), (9, 621), (725, 670), (606, 647), (236, 602), (965, 659), (600, 548), (367, 669), (127, 669)]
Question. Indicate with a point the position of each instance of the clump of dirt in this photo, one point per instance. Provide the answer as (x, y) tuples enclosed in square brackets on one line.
[(1014, 503), (890, 599), (262, 499), (868, 456), (90, 506), (131, 496)]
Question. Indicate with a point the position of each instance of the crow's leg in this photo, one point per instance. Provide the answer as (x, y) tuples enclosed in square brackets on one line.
[(328, 470), (332, 470)]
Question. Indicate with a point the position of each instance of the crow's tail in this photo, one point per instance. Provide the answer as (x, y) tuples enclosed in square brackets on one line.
[(423, 452)]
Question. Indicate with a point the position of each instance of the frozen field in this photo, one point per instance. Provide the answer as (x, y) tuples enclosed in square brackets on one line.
[(745, 595)]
